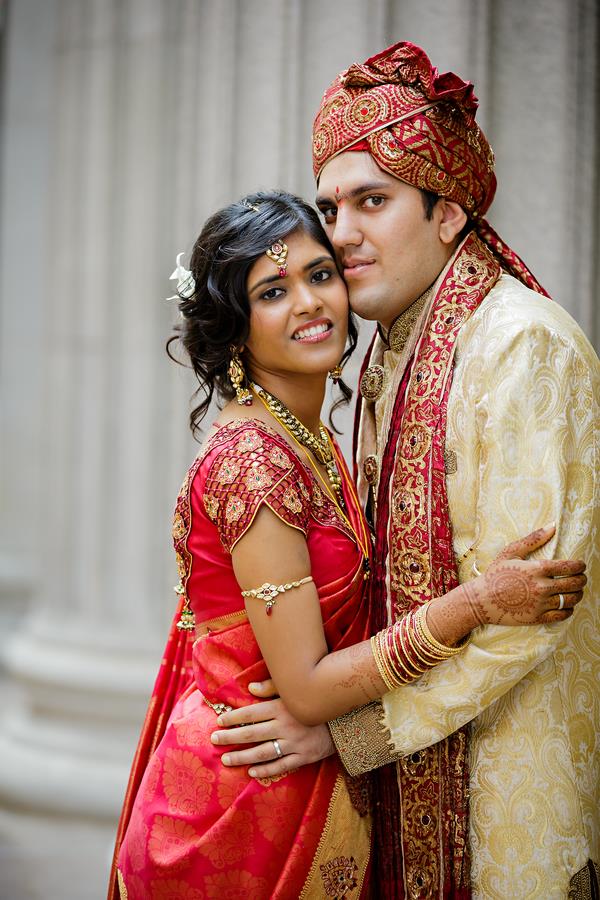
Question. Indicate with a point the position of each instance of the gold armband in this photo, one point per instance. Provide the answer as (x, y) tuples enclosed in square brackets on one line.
[(270, 592)]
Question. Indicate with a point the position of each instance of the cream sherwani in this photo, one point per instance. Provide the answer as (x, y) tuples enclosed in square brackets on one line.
[(523, 424)]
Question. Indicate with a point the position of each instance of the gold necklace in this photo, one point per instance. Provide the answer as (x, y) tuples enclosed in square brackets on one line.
[(362, 539), (320, 447)]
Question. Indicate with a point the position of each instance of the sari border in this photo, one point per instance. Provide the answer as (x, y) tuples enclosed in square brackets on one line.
[(220, 622), (331, 841), (123, 895)]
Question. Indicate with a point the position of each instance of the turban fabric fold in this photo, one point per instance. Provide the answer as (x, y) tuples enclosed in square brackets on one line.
[(420, 127)]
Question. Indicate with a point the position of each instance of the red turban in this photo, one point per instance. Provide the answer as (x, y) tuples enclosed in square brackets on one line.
[(420, 127)]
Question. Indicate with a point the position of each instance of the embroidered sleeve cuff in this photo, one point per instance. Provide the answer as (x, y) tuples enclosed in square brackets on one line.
[(362, 740)]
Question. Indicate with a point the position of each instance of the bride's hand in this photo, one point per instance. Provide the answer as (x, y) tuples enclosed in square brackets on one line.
[(519, 591)]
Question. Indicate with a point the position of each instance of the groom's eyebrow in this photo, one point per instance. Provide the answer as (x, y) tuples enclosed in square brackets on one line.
[(349, 195)]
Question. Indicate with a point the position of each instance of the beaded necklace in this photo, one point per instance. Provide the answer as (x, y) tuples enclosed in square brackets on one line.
[(362, 539), (320, 447)]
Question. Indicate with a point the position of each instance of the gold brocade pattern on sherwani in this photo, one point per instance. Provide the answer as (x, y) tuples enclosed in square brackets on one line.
[(394, 358), (586, 883), (362, 739), (372, 382), (412, 578), (403, 324), (523, 422)]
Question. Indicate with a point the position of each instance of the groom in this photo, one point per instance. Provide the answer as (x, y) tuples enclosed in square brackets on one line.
[(476, 423)]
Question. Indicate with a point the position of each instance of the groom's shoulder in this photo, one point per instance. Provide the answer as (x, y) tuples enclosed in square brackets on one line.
[(513, 316)]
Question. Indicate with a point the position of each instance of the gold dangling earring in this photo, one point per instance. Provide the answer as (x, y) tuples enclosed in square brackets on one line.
[(237, 376), (336, 373)]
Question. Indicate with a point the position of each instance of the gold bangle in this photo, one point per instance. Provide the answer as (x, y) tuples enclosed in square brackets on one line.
[(433, 646), (269, 592), (388, 670), (395, 659), (412, 638), (423, 652), (418, 665), (383, 674), (427, 651), (393, 678)]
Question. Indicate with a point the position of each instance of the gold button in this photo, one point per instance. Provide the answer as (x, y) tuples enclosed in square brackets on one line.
[(372, 382), (451, 462), (371, 469)]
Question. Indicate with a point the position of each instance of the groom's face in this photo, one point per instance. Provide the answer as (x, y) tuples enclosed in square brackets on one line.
[(388, 250)]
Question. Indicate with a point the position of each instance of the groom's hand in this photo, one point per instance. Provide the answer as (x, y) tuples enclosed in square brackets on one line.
[(270, 727)]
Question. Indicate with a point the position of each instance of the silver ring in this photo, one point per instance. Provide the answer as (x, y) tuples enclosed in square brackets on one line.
[(475, 569), (277, 749), (561, 604)]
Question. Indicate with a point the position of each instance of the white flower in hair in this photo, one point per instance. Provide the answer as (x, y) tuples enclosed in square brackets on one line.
[(186, 284)]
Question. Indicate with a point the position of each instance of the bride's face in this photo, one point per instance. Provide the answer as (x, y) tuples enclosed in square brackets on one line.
[(298, 322)]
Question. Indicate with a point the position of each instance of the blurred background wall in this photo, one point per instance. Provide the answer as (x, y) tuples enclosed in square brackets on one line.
[(124, 124)]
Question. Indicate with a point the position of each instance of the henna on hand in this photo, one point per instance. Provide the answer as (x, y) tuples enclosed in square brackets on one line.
[(555, 615), (526, 545), (559, 568), (514, 591), (364, 674), (511, 591), (474, 604)]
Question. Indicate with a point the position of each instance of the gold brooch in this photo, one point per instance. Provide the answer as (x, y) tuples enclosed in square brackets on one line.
[(371, 469), (372, 382)]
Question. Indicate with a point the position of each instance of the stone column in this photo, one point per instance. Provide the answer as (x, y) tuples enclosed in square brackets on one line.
[(160, 112), (27, 36), (85, 656)]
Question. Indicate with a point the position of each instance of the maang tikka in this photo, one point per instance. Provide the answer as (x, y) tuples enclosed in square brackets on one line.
[(278, 252), (237, 376)]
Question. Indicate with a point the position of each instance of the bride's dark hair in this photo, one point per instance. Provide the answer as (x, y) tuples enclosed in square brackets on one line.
[(217, 315)]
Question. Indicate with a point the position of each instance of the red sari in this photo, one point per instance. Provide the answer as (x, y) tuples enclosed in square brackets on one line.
[(192, 828)]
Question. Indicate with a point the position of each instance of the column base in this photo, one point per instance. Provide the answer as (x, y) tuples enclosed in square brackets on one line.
[(69, 733)]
